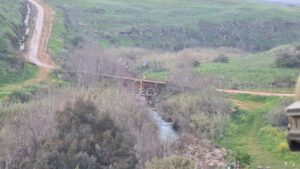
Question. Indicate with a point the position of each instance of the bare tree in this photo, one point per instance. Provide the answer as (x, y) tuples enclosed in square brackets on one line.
[(31, 124), (185, 79), (90, 64), (22, 134)]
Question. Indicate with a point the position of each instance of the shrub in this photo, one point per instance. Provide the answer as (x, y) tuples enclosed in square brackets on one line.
[(76, 41), (284, 82), (85, 140), (80, 130), (195, 63), (156, 66), (210, 125), (204, 113), (221, 59), (283, 147), (288, 58), (272, 132), (79, 134), (22, 96), (171, 163), (277, 116), (241, 156)]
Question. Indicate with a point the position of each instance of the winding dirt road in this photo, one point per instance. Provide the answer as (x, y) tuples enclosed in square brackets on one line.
[(37, 52), (256, 93)]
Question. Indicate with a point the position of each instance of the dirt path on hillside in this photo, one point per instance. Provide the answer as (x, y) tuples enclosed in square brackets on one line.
[(38, 46), (258, 93)]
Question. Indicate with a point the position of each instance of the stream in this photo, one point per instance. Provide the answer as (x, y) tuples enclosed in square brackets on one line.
[(166, 130)]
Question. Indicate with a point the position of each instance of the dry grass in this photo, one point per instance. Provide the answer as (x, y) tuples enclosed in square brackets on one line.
[(248, 106), (137, 57)]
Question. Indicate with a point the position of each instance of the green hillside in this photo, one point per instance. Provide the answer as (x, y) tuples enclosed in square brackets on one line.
[(175, 24), (12, 68), (253, 71)]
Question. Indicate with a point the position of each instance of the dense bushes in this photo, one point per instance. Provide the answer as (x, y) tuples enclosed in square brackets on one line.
[(272, 138), (241, 156), (86, 141), (221, 59), (88, 133), (289, 58), (277, 116), (204, 113)]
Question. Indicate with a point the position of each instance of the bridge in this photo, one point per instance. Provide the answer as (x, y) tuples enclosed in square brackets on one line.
[(141, 87)]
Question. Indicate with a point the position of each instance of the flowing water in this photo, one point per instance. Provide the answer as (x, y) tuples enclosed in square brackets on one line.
[(167, 132)]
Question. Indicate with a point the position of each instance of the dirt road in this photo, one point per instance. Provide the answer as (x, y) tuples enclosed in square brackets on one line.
[(256, 93), (37, 48)]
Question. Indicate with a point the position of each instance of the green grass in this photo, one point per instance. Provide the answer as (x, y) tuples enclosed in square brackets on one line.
[(10, 14), (251, 72), (175, 24), (252, 134), (155, 75), (56, 42), (10, 18), (14, 76), (23, 94), (258, 69), (11, 71), (56, 78)]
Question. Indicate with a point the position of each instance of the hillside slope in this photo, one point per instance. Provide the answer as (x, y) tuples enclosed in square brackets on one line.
[(12, 67), (174, 25), (254, 71)]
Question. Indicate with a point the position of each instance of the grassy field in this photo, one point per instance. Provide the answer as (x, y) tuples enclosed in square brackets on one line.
[(56, 42), (12, 76), (174, 24), (250, 72), (255, 71), (250, 133), (13, 81)]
